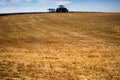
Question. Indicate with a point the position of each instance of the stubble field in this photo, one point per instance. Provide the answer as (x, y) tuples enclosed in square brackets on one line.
[(60, 46)]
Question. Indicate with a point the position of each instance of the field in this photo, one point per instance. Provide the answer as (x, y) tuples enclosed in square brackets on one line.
[(60, 46)]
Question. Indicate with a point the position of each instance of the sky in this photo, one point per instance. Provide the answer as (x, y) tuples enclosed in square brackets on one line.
[(13, 6)]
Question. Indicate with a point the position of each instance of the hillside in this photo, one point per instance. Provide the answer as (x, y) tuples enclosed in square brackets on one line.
[(60, 46)]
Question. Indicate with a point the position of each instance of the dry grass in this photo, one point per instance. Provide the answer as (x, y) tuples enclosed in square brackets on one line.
[(63, 46)]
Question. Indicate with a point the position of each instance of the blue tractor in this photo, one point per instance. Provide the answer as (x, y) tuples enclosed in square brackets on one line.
[(61, 8)]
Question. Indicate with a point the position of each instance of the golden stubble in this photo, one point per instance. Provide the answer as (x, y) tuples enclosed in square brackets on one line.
[(60, 46)]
